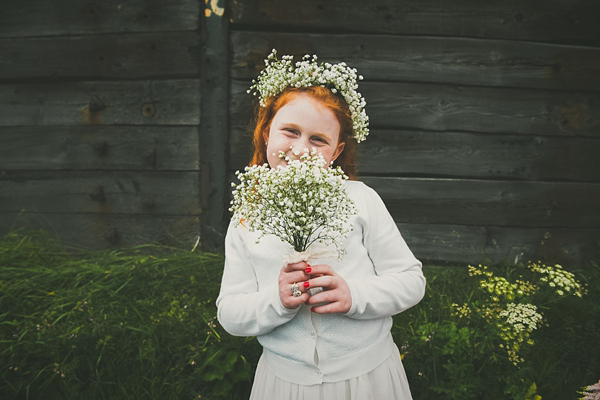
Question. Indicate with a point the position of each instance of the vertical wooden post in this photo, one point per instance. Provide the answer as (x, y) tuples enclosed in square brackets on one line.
[(213, 132)]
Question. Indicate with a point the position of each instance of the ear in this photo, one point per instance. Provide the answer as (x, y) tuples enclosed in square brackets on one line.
[(338, 150)]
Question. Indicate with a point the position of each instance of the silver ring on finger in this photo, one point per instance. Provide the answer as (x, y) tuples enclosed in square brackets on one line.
[(295, 291)]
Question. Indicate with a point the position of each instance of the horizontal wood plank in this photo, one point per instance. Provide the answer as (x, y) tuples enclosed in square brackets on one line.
[(65, 17), (115, 192), (430, 59), (91, 57), (485, 203), (97, 147), (158, 102), (488, 156), (545, 21), (458, 154), (433, 243), (462, 108), (102, 231)]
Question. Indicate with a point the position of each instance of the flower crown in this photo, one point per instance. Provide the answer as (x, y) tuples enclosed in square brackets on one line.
[(281, 74)]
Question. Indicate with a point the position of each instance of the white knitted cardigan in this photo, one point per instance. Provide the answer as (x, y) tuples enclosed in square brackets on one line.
[(305, 348)]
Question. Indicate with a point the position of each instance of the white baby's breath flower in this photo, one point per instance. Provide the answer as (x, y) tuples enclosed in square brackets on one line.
[(339, 78), (302, 202)]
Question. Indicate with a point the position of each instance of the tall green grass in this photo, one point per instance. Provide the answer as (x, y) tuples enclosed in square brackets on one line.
[(140, 323), (132, 324)]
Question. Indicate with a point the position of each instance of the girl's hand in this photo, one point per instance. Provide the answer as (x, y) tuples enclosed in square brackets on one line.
[(336, 291), (290, 274)]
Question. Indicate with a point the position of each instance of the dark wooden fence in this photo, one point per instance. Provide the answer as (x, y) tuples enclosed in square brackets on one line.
[(121, 122), (100, 113), (485, 116)]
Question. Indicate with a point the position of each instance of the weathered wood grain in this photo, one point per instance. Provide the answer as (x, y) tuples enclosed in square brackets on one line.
[(102, 231), (433, 243), (478, 109), (214, 126), (157, 102), (463, 108), (91, 57), (430, 59), (547, 21), (490, 203), (97, 147), (240, 147), (65, 17), (489, 156), (458, 154), (115, 192)]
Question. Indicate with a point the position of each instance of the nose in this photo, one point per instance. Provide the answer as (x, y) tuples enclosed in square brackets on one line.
[(300, 146)]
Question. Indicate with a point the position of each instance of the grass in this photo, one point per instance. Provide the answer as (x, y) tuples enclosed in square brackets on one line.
[(140, 323), (131, 324)]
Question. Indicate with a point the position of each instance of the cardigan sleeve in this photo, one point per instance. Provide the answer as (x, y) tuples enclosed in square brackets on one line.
[(398, 283), (242, 308)]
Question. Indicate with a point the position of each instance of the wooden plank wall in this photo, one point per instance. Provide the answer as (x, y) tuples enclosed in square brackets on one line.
[(485, 116), (100, 105)]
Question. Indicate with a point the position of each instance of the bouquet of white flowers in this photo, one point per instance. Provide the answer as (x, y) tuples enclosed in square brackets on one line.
[(302, 203)]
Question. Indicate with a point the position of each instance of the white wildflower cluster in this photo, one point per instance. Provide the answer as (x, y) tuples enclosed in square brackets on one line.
[(281, 74), (508, 305), (563, 282), (301, 203), (516, 324)]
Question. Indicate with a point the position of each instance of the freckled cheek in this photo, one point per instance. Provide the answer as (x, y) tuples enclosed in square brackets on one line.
[(327, 155), (280, 145), (273, 149)]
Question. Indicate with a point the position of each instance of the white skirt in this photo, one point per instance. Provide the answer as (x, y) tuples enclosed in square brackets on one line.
[(387, 381)]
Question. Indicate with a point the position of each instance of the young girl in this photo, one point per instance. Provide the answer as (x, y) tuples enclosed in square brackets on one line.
[(335, 344)]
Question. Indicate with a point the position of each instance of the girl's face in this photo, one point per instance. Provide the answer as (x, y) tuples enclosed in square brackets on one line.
[(303, 123)]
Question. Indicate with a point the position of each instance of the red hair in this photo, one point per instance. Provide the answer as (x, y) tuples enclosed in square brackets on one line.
[(264, 116)]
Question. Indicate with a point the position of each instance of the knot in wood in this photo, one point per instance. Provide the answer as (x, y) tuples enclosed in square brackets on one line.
[(149, 110)]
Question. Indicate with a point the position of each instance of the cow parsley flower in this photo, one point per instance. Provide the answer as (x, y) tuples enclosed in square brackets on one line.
[(516, 324), (508, 304), (563, 282), (302, 203)]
